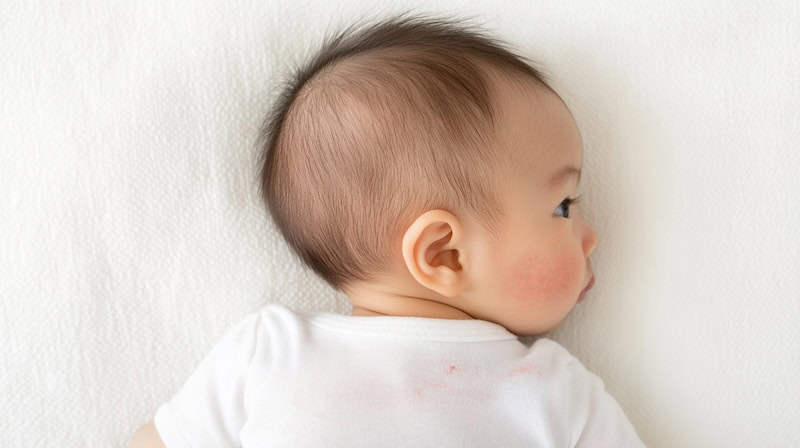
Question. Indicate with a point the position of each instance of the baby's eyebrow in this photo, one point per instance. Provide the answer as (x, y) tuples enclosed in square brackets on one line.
[(562, 175)]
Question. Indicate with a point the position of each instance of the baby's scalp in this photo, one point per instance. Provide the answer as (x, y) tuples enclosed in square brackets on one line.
[(384, 122)]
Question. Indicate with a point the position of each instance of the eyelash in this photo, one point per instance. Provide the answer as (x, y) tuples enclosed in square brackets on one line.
[(570, 201), (574, 200)]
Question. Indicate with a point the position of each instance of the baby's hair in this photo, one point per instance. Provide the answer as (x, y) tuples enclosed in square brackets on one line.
[(383, 123)]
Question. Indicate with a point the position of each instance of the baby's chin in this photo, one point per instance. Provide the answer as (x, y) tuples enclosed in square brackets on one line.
[(536, 319), (532, 326)]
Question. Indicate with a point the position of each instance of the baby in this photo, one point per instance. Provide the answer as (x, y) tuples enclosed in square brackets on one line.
[(429, 172)]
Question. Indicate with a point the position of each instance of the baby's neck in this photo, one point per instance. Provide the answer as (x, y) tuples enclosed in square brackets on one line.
[(429, 311), (377, 301)]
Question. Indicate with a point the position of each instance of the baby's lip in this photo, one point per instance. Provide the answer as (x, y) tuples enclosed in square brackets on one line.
[(590, 285), (585, 290)]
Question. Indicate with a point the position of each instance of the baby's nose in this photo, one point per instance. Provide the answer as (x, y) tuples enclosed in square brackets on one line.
[(589, 241)]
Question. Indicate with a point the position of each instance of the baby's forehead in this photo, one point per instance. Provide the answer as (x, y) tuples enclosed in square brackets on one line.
[(514, 94), (535, 129)]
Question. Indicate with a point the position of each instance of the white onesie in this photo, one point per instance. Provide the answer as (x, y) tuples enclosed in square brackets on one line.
[(280, 378)]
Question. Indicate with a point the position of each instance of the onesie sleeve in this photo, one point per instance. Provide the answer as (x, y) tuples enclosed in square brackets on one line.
[(208, 410), (581, 412), (597, 419)]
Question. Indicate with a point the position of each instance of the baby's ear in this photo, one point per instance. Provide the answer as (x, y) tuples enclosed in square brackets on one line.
[(433, 252)]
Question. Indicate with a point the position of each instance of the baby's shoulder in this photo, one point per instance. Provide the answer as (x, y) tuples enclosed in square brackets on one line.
[(553, 354), (269, 321)]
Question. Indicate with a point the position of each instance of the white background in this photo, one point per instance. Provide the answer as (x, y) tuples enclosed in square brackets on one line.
[(131, 236)]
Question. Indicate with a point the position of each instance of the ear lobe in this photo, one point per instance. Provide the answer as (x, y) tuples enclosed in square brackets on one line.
[(433, 252)]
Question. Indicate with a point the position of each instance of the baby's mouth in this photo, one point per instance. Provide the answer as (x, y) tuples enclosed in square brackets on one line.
[(590, 285), (586, 289)]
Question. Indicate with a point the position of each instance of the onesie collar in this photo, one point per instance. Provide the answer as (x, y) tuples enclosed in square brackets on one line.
[(406, 327)]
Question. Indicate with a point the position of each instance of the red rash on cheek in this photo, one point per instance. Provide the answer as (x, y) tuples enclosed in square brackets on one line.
[(534, 279)]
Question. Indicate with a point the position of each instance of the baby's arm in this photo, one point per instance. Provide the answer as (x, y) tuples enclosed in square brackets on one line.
[(209, 408), (585, 415), (600, 419), (147, 437), (606, 423)]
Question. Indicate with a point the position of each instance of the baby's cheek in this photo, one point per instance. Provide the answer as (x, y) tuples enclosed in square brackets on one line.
[(533, 278)]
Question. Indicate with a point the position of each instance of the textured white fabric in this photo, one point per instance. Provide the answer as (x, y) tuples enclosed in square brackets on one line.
[(131, 236), (282, 378)]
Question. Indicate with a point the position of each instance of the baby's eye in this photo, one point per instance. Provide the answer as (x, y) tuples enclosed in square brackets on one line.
[(567, 202)]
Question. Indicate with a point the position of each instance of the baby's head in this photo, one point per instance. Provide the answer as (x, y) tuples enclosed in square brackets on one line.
[(425, 169)]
